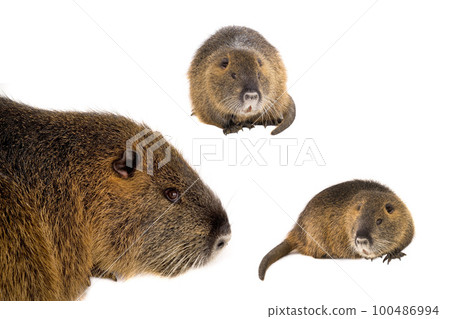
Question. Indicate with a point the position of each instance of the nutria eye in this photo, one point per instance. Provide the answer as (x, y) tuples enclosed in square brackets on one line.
[(389, 208), (259, 62), (224, 63), (172, 194), (233, 75), (358, 207), (379, 221), (259, 75)]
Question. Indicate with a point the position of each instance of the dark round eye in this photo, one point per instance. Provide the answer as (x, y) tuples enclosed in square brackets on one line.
[(172, 194), (259, 62), (224, 63), (389, 208), (358, 207), (379, 221), (259, 75), (233, 75)]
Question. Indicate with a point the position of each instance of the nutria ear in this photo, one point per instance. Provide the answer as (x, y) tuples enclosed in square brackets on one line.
[(126, 166)]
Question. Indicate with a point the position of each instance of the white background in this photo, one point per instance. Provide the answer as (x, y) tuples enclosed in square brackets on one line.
[(371, 88)]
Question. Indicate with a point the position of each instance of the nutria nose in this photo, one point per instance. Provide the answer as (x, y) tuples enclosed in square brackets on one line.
[(224, 236), (222, 241), (360, 241), (250, 96), (363, 237)]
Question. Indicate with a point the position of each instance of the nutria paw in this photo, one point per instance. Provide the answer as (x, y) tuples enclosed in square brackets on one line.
[(394, 255), (110, 276), (272, 122), (231, 126), (248, 125), (98, 273), (232, 129)]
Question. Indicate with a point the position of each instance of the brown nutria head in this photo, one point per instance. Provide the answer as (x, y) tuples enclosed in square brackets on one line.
[(382, 224), (166, 222), (239, 81), (95, 194)]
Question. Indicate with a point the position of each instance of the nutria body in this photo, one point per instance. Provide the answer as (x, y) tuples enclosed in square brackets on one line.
[(237, 79), (355, 219), (71, 206)]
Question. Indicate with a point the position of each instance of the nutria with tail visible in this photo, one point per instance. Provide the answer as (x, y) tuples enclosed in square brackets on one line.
[(237, 79), (76, 202), (355, 219)]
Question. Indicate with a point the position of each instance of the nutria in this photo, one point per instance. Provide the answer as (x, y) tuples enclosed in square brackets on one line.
[(73, 204), (237, 79), (355, 219)]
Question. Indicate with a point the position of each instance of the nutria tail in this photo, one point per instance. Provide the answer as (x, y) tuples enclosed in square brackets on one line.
[(288, 118), (272, 256)]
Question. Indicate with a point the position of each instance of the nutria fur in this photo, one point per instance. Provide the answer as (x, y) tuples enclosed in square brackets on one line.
[(237, 79), (71, 207), (355, 219)]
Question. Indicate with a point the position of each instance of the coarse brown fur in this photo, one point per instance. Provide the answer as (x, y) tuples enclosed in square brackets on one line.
[(232, 62), (353, 219), (71, 207)]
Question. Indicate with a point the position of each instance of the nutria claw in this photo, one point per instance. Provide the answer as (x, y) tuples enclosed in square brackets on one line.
[(248, 125), (394, 255), (110, 276), (232, 129), (98, 273), (273, 122)]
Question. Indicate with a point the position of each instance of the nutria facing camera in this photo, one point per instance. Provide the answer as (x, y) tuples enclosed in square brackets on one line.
[(355, 219), (237, 79), (71, 206)]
